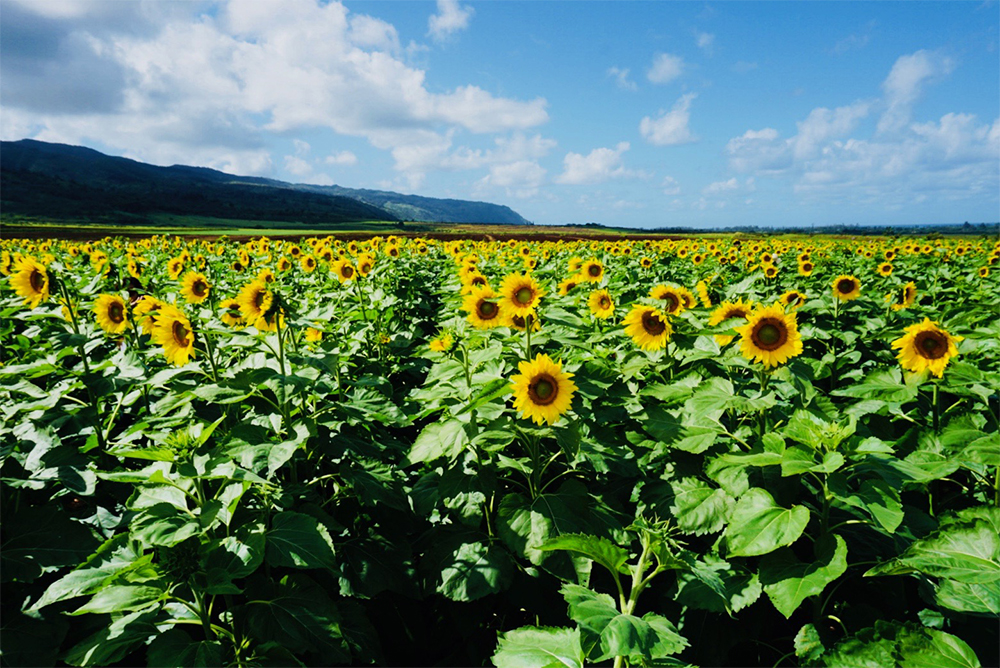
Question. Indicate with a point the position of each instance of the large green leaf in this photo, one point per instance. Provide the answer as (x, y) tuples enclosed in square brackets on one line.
[(627, 635), (600, 550), (716, 585), (299, 615), (299, 541), (539, 647), (930, 648), (122, 598), (699, 508), (758, 525), (115, 641), (41, 539), (439, 440), (475, 570), (176, 648), (966, 597), (164, 525), (788, 581)]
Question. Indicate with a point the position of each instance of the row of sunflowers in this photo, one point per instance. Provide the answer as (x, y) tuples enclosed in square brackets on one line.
[(693, 451)]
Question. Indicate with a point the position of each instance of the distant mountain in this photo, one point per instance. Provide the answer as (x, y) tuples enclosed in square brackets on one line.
[(62, 182)]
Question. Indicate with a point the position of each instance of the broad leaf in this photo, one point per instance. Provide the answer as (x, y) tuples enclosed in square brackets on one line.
[(788, 581), (758, 525), (299, 541), (535, 647)]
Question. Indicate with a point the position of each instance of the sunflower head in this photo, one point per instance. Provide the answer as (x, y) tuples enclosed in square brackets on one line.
[(885, 269), (442, 343), (231, 313), (542, 390), (648, 327), (592, 271), (792, 299), (255, 300), (846, 288), (195, 287), (344, 270), (111, 313), (173, 331), (308, 263), (925, 346), (770, 336), (31, 281), (567, 284), (673, 300), (806, 268), (724, 312), (520, 294), (522, 322), (483, 309), (602, 306)]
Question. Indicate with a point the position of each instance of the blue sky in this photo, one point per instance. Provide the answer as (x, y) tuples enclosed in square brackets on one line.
[(642, 114)]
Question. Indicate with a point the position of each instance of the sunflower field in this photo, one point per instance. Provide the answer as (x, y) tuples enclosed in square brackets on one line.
[(724, 451)]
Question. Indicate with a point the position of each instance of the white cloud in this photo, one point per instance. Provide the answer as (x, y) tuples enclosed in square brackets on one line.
[(857, 40), (301, 147), (341, 158), (206, 89), (665, 68), (670, 186), (705, 41), (822, 125), (903, 85), (598, 166), (621, 77), (670, 127), (297, 166), (451, 18), (521, 179), (733, 184)]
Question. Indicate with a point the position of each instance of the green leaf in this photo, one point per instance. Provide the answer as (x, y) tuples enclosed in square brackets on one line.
[(698, 508), (882, 385), (600, 550), (299, 541), (164, 525), (930, 648), (115, 641), (539, 647), (299, 615), (114, 557), (758, 525), (591, 610), (788, 581), (439, 440), (668, 640), (965, 597), (475, 570), (176, 648), (627, 635), (121, 598), (808, 645), (716, 585), (41, 539)]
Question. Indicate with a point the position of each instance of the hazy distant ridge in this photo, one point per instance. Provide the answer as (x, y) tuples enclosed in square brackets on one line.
[(62, 182)]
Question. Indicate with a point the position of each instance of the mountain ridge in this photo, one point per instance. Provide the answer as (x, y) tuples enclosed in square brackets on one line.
[(65, 182)]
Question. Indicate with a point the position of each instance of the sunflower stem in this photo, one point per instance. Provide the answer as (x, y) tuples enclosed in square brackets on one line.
[(934, 400), (527, 330), (95, 401)]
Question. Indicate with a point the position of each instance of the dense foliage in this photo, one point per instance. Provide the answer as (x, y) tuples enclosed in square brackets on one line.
[(402, 451)]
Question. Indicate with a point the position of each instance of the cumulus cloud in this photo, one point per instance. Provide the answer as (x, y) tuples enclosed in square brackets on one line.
[(705, 41), (670, 186), (954, 157), (671, 127), (520, 179), (904, 84), (665, 68), (598, 166), (620, 76), (450, 18), (205, 88), (341, 158)]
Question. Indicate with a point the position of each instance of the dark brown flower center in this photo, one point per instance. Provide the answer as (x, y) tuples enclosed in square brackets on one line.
[(524, 295), (258, 300), (605, 303), (807, 266), (180, 333), (735, 313), (543, 389), (37, 280), (199, 288), (347, 271), (594, 270), (116, 313), (487, 310), (770, 334), (672, 302), (845, 286), (931, 345), (652, 324)]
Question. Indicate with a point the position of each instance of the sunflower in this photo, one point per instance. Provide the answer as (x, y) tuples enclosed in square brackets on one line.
[(646, 263), (885, 269), (344, 270), (442, 343), (542, 390), (520, 294), (983, 272), (770, 271), (134, 268), (174, 267), (648, 327), (905, 296), (173, 331), (365, 264), (672, 298), (702, 289), (31, 281), (266, 275), (926, 346), (792, 299), (255, 300), (806, 268), (313, 335), (575, 264), (284, 264), (726, 311), (521, 322), (770, 336), (601, 304), (567, 284), (111, 313), (592, 271), (846, 288), (483, 310), (195, 287), (308, 263), (145, 311), (231, 313)]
